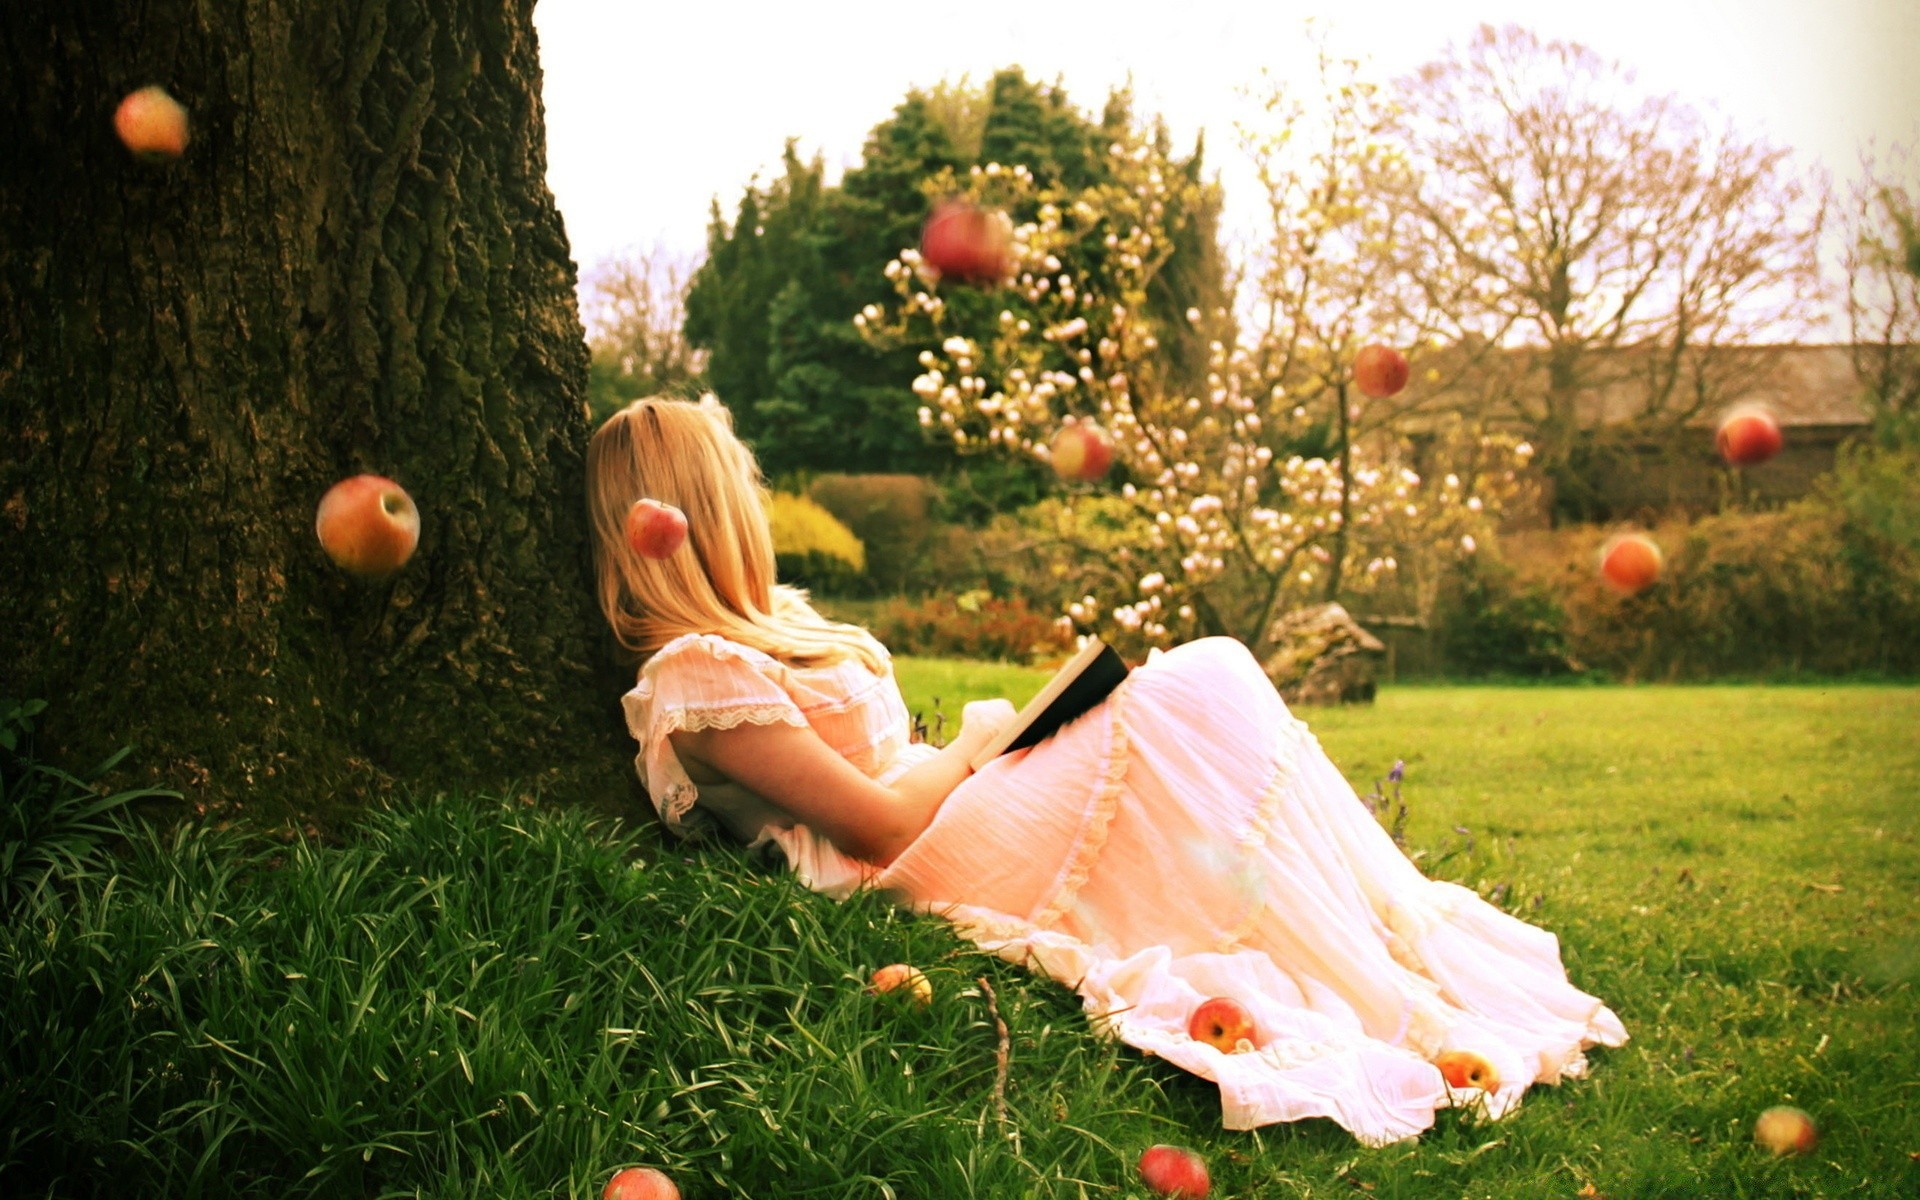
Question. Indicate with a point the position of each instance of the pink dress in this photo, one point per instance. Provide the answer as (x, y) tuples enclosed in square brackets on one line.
[(1188, 838)]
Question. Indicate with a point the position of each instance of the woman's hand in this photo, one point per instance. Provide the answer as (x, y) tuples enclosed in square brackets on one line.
[(981, 720)]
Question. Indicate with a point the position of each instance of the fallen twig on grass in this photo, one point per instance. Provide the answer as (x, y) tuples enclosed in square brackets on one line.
[(1000, 1051)]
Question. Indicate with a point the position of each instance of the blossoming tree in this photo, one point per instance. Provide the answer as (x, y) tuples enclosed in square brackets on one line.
[(1231, 503)]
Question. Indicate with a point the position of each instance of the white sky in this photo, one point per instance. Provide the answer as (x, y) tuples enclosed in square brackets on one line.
[(653, 109)]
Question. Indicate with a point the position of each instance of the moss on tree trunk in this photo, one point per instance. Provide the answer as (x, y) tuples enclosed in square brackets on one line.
[(356, 266)]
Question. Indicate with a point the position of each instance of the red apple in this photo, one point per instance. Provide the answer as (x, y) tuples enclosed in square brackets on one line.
[(640, 1183), (900, 975), (368, 525), (1223, 1023), (1174, 1171), (1465, 1069), (1630, 562), (966, 242), (655, 530), (1380, 371), (152, 124), (1785, 1129), (1748, 436), (1081, 452)]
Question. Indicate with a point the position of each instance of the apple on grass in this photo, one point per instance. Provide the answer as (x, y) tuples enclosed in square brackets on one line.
[(1630, 562), (640, 1183), (1174, 1171), (1080, 451), (966, 242), (1463, 1069), (1748, 436), (896, 976), (368, 525), (152, 124), (1785, 1129), (1223, 1023), (1380, 371), (655, 530)]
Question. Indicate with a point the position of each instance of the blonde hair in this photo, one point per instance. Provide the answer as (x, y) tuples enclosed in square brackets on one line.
[(722, 581)]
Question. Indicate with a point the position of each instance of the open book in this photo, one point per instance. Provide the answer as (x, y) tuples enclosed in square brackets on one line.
[(1085, 681)]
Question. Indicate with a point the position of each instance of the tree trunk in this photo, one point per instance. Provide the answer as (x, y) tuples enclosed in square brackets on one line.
[(356, 266)]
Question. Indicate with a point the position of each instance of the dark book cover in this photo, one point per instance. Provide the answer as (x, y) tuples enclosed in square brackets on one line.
[(1079, 686)]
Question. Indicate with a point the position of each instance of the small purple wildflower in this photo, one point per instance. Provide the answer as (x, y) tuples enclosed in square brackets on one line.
[(1399, 771)]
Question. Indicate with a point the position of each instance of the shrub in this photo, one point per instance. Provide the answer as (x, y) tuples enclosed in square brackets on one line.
[(892, 515), (1489, 622), (811, 548), (971, 625)]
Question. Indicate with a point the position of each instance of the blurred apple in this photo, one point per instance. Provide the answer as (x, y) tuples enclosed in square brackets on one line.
[(368, 525), (1081, 452), (1785, 1129), (152, 124), (655, 530), (1630, 562), (1465, 1069), (966, 242), (1174, 1171), (900, 975), (1221, 1022), (1380, 371), (1748, 436), (640, 1183)]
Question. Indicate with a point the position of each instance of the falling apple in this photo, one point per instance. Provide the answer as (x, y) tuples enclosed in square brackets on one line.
[(1223, 1023), (152, 124), (1380, 371), (1748, 436), (966, 242), (1464, 1069), (1081, 452), (1630, 562), (655, 530), (1785, 1129), (899, 975), (640, 1183), (368, 525), (1174, 1171)]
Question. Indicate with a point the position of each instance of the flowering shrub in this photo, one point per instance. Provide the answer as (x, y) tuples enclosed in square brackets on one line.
[(971, 625), (1236, 500)]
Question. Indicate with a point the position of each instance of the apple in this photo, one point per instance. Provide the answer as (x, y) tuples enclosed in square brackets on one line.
[(368, 525), (966, 242), (1465, 1069), (1748, 436), (655, 530), (1630, 562), (1081, 452), (1223, 1023), (1785, 1129), (900, 975), (640, 1183), (152, 124), (1174, 1171), (1380, 371)]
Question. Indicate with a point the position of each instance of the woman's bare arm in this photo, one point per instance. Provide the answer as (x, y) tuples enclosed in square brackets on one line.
[(794, 769)]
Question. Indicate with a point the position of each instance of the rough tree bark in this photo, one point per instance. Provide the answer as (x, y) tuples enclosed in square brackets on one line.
[(356, 266)]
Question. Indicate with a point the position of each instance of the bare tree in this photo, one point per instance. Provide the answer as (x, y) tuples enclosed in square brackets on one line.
[(1618, 240), (634, 306), (1883, 289)]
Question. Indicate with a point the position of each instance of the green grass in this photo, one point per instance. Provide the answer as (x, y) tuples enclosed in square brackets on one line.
[(478, 998)]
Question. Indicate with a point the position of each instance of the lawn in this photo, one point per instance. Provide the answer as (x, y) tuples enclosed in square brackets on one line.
[(477, 997)]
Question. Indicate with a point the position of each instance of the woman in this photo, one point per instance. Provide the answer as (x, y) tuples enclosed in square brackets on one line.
[(1187, 839)]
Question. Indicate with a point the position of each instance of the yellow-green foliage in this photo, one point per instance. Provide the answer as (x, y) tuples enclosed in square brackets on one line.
[(801, 527)]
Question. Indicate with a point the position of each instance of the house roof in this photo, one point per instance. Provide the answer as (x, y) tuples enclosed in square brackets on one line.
[(1801, 386)]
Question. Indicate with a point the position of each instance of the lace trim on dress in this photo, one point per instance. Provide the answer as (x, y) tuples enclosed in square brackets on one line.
[(1253, 841), (1093, 835), (677, 797)]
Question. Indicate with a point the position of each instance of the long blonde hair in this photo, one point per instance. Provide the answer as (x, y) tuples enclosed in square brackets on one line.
[(722, 580)]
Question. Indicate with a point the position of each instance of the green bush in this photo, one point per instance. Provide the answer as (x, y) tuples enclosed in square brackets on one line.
[(1490, 623), (892, 515), (811, 548)]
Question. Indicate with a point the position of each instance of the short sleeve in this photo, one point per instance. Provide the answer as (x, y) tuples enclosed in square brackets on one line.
[(699, 681)]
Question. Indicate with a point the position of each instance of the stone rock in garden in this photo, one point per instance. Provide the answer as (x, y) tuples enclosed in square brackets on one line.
[(1321, 655)]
